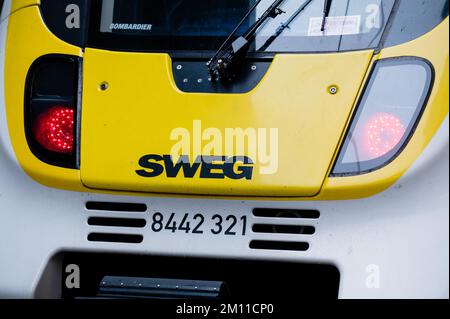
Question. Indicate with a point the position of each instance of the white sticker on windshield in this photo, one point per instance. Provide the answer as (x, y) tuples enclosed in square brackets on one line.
[(341, 25)]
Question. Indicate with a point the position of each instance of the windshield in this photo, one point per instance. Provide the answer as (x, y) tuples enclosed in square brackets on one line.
[(199, 25)]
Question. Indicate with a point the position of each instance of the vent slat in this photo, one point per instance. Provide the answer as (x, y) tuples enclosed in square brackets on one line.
[(286, 213), (117, 222), (283, 229), (279, 245), (116, 207), (115, 238)]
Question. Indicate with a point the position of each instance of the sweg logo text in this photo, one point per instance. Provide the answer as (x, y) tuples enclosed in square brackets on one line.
[(210, 167), (203, 151)]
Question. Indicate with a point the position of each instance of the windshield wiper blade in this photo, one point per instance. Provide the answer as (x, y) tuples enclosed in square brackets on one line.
[(223, 65), (326, 13), (285, 25)]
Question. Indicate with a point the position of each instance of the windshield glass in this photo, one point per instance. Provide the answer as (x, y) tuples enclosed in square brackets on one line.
[(199, 25)]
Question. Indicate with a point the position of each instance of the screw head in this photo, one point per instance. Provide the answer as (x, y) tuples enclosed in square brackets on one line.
[(333, 89), (104, 86), (179, 67), (253, 67)]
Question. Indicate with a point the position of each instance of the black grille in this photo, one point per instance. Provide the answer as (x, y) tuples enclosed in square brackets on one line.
[(293, 224), (105, 227)]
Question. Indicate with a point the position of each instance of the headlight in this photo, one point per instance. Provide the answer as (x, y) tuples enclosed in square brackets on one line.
[(388, 113)]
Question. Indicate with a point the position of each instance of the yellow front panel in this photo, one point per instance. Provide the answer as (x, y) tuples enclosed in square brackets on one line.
[(140, 109), (309, 75)]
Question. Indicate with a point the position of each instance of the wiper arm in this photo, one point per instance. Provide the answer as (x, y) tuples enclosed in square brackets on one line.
[(223, 65), (326, 13)]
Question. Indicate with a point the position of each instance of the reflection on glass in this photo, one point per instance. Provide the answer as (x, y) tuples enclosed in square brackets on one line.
[(352, 24)]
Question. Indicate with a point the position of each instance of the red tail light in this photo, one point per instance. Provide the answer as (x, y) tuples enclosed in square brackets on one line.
[(54, 129), (52, 101), (382, 134), (388, 113)]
